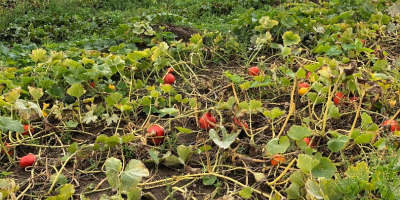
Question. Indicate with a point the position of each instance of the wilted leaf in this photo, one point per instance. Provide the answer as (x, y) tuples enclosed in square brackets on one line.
[(28, 110), (325, 71), (168, 111), (225, 141), (85, 151), (71, 124), (89, 117), (314, 189), (111, 119), (172, 161), (259, 176), (133, 174), (184, 152), (154, 155), (135, 194), (113, 167), (7, 186)]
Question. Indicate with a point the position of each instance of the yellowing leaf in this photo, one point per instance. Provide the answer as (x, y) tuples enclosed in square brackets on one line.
[(325, 71), (36, 93), (86, 61), (289, 38), (88, 100), (13, 95), (76, 90), (37, 55), (159, 50)]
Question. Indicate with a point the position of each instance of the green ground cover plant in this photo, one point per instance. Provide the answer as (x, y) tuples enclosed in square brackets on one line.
[(199, 99)]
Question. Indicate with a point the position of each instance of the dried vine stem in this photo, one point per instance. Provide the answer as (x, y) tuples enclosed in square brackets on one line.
[(291, 107)]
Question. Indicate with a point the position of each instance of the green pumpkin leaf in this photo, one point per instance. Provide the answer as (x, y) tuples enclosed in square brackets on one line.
[(306, 163), (274, 113), (8, 124), (209, 180), (286, 51), (76, 90), (337, 144), (334, 112), (325, 169), (293, 191), (113, 98), (289, 38), (66, 192), (364, 137), (297, 132), (73, 148), (278, 146), (183, 130), (380, 144), (246, 192)]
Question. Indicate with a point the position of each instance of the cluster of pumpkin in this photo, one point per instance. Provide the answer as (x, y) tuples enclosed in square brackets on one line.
[(156, 133), (340, 99)]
